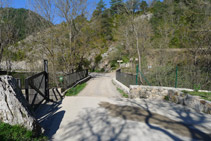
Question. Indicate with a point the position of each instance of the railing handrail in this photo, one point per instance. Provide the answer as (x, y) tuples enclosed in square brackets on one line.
[(75, 72)]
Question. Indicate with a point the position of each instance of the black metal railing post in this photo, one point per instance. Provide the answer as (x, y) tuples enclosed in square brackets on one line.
[(27, 89), (46, 78), (18, 81)]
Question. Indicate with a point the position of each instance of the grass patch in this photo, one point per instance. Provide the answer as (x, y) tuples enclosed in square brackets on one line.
[(18, 133), (166, 98), (203, 95), (122, 93), (74, 91)]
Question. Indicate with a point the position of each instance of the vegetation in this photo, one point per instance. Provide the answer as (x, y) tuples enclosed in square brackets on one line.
[(122, 93), (161, 34), (74, 91), (168, 29), (23, 22), (98, 59), (15, 25), (203, 95), (17, 133), (166, 98)]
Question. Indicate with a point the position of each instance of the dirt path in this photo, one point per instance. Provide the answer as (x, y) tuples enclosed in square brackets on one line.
[(99, 113)]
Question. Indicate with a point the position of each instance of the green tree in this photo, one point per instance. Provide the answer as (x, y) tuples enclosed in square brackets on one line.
[(143, 6), (101, 6), (117, 6), (69, 10), (99, 9), (133, 5), (106, 25)]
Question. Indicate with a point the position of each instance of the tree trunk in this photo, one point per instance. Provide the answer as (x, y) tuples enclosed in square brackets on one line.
[(139, 58)]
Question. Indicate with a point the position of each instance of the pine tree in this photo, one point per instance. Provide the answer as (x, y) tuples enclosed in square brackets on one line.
[(143, 6), (116, 6), (100, 8), (133, 5), (106, 25)]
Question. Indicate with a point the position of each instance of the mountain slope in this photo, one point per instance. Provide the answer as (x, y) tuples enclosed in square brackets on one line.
[(21, 22)]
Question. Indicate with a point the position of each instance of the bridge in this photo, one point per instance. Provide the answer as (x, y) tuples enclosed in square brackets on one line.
[(99, 112)]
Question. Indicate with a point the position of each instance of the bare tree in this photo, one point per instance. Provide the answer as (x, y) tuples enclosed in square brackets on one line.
[(5, 28), (5, 3), (69, 10), (141, 32), (46, 8)]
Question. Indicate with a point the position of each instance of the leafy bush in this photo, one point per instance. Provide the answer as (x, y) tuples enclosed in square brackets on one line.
[(166, 98), (98, 59), (125, 59), (113, 63), (17, 133), (102, 70), (18, 56), (197, 88)]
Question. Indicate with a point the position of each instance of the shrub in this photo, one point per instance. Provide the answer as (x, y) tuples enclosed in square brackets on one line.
[(166, 98), (197, 88), (98, 59), (17, 133)]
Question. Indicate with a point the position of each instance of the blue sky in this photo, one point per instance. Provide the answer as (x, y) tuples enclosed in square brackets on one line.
[(18, 4), (24, 4)]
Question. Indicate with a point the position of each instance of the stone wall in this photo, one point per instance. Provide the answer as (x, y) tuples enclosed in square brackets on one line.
[(172, 94), (120, 86), (152, 92)]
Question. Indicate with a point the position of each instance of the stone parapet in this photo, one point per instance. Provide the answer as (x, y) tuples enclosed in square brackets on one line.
[(171, 94)]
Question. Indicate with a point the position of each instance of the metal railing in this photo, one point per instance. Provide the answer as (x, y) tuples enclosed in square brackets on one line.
[(127, 79), (70, 79)]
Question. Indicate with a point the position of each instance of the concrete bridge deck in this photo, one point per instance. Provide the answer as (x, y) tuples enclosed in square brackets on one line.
[(99, 113)]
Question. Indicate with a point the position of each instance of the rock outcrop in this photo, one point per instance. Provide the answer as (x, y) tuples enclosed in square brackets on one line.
[(14, 109)]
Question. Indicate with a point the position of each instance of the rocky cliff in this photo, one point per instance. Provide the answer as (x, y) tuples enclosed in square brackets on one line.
[(14, 109)]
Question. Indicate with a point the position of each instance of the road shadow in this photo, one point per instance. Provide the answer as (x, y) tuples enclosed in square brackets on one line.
[(119, 122), (49, 118), (159, 122), (52, 124), (95, 125)]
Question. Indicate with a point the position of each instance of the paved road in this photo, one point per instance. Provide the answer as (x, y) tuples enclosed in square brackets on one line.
[(101, 86), (98, 113)]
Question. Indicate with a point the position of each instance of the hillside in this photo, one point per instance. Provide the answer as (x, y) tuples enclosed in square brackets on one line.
[(53, 44), (22, 22), (130, 33), (15, 25)]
